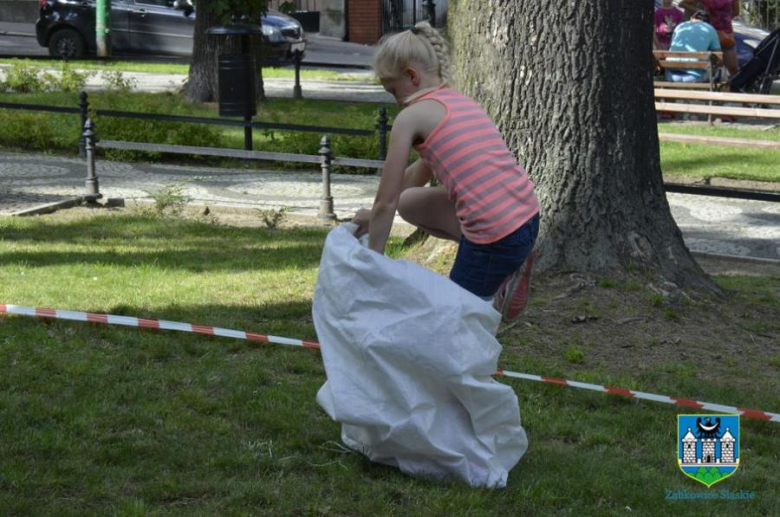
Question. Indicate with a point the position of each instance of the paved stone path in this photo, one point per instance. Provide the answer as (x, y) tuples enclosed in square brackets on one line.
[(710, 225), (29, 180)]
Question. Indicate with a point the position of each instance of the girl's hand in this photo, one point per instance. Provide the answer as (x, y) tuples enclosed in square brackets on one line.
[(362, 219)]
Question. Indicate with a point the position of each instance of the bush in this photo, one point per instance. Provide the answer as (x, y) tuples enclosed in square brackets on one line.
[(271, 217), (71, 80), (31, 131), (168, 133), (21, 77), (115, 80), (309, 143), (170, 200)]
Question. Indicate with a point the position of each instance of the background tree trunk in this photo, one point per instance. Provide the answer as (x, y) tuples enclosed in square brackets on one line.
[(570, 86), (202, 83)]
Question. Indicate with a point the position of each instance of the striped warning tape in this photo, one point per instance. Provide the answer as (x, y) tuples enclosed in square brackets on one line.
[(128, 321)]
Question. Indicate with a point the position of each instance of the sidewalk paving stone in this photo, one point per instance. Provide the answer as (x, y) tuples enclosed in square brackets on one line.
[(710, 225)]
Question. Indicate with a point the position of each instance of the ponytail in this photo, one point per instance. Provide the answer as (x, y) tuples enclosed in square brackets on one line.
[(440, 47), (423, 44)]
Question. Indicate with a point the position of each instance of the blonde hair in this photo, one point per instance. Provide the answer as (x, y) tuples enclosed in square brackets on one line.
[(423, 45)]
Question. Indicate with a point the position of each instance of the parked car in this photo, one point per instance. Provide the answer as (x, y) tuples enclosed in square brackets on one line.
[(746, 37), (156, 27)]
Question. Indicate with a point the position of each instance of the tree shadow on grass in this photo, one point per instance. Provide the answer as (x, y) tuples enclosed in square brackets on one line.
[(261, 318), (697, 161), (130, 241)]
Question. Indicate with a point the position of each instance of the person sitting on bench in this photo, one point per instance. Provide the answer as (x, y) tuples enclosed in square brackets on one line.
[(696, 35)]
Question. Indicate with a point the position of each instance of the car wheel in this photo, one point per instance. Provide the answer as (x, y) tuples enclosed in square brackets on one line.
[(66, 44)]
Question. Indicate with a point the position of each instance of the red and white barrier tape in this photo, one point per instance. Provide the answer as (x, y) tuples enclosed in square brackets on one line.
[(128, 321)]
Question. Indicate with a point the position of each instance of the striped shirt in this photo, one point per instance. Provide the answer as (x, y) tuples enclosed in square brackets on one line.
[(493, 195)]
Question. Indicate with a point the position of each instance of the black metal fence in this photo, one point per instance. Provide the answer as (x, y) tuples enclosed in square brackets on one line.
[(380, 130), (398, 15), (300, 5)]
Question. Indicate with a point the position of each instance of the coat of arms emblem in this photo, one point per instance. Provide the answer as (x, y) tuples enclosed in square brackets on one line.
[(708, 446)]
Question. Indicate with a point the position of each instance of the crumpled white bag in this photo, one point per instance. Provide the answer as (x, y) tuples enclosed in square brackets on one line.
[(409, 357)]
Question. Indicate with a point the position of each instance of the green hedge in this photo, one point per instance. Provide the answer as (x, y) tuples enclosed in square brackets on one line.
[(59, 133)]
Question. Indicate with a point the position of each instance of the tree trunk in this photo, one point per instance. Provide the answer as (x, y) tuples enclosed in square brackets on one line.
[(202, 83), (569, 84)]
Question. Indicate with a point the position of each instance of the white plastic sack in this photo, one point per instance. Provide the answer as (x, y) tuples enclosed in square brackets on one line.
[(409, 357)]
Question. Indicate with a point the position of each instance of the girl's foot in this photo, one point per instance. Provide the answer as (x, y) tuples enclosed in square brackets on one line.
[(512, 296)]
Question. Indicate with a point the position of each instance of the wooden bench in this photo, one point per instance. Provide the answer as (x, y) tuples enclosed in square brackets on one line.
[(770, 109), (709, 61)]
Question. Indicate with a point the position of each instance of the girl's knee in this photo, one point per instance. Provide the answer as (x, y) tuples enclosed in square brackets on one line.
[(408, 204)]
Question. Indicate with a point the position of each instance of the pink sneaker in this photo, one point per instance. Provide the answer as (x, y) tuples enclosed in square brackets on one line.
[(512, 296)]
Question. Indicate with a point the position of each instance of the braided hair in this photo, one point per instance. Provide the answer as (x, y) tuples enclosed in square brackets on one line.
[(422, 44), (440, 46)]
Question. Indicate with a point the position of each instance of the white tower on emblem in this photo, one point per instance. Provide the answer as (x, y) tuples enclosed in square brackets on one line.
[(727, 447), (689, 447)]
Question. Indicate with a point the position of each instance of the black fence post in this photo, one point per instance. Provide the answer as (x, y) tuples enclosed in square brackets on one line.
[(382, 130), (297, 92), (84, 112), (326, 159), (431, 8), (247, 132), (90, 138)]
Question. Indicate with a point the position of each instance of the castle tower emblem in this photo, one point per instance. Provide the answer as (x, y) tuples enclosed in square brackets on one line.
[(708, 446)]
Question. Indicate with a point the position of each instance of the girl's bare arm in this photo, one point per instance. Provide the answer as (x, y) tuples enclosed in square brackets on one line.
[(393, 180)]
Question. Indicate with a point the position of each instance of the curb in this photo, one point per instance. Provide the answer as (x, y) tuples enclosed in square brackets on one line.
[(737, 258), (323, 64), (48, 207), (18, 34), (400, 227)]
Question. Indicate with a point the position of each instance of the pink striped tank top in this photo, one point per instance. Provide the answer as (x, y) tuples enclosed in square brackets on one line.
[(493, 195)]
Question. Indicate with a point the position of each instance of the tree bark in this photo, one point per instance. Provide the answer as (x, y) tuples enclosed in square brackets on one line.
[(202, 83), (569, 84)]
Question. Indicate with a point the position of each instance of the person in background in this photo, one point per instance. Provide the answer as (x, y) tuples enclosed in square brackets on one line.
[(667, 18), (722, 12), (696, 35)]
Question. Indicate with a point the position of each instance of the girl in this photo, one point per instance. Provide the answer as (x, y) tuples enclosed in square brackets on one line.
[(485, 201)]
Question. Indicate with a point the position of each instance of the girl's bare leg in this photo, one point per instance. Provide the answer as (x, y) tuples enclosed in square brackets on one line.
[(430, 209)]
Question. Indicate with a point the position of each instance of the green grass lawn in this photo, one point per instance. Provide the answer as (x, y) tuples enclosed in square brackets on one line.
[(700, 161), (712, 161), (112, 421), (269, 72)]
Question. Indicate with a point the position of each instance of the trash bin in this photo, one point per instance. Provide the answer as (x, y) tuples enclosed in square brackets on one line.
[(236, 73), (237, 86)]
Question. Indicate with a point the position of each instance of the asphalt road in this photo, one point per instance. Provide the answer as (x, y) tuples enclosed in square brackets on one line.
[(18, 39), (20, 46)]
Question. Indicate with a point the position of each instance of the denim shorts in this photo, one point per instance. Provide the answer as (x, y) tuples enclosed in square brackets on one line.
[(480, 268)]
